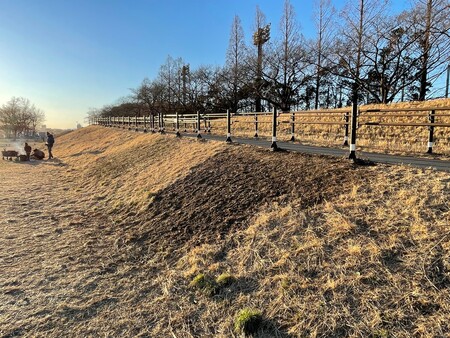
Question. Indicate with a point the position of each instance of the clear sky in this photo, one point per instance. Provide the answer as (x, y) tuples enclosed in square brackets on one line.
[(67, 56)]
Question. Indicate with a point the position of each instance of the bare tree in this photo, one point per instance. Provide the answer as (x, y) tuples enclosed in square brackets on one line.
[(287, 66), (431, 19), (324, 15), (235, 64), (18, 115)]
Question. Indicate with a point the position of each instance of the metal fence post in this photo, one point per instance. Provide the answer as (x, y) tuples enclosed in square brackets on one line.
[(256, 125), (346, 119), (293, 127), (431, 117), (274, 130), (199, 136), (228, 140), (177, 124), (352, 154)]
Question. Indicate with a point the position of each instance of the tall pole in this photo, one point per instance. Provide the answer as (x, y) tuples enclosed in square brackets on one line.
[(260, 37), (446, 85)]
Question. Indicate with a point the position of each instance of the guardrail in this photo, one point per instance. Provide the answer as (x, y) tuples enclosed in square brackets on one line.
[(348, 118)]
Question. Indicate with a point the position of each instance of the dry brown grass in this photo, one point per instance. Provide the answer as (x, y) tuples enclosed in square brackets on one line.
[(388, 139), (81, 256)]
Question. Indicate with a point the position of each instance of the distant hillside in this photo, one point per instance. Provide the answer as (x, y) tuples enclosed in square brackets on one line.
[(177, 237)]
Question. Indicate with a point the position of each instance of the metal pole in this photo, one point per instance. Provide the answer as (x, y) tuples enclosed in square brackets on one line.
[(145, 124), (346, 119), (431, 132), (129, 122), (293, 127), (199, 136), (352, 155), (136, 123), (256, 125), (274, 130), (177, 125), (209, 126), (228, 127), (448, 76)]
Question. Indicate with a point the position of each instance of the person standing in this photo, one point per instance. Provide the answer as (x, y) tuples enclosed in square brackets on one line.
[(27, 149), (50, 142)]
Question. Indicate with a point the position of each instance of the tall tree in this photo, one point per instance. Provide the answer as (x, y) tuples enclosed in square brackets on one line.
[(432, 24), (287, 67), (323, 16), (235, 64)]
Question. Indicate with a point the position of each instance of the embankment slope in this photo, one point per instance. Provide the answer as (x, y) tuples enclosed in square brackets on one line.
[(124, 223)]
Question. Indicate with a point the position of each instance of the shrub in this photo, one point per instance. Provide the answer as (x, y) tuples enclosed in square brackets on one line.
[(248, 321)]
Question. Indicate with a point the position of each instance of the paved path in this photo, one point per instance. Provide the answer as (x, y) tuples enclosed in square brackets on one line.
[(437, 164)]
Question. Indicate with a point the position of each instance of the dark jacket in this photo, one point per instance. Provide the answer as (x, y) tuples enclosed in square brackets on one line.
[(27, 148), (50, 139)]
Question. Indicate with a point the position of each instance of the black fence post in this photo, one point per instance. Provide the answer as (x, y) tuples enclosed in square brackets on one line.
[(199, 136), (228, 140), (293, 127), (145, 124), (136, 128), (352, 154), (129, 122), (346, 119), (209, 125), (431, 117), (177, 125), (274, 130), (256, 125)]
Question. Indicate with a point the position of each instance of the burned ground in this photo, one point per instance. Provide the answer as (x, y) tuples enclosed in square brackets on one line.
[(223, 194)]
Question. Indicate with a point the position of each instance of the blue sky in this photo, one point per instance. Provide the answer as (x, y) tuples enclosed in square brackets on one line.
[(67, 56)]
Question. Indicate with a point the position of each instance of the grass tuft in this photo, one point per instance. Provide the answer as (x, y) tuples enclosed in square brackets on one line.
[(225, 280), (248, 321)]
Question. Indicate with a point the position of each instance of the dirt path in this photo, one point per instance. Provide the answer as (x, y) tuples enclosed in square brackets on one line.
[(44, 248)]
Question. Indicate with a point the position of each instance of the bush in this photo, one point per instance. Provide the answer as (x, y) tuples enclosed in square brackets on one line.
[(248, 321)]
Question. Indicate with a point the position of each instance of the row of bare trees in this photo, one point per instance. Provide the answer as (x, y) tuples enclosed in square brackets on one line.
[(362, 54), (20, 117)]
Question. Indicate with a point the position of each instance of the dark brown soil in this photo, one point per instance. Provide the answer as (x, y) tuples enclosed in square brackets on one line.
[(223, 194)]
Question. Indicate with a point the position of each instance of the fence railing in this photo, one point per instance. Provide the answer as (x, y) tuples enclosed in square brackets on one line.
[(345, 118)]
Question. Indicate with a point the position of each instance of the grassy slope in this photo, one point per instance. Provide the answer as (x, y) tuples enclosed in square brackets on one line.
[(320, 247)]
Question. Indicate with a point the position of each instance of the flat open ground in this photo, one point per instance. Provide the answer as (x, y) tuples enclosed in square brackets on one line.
[(106, 239)]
